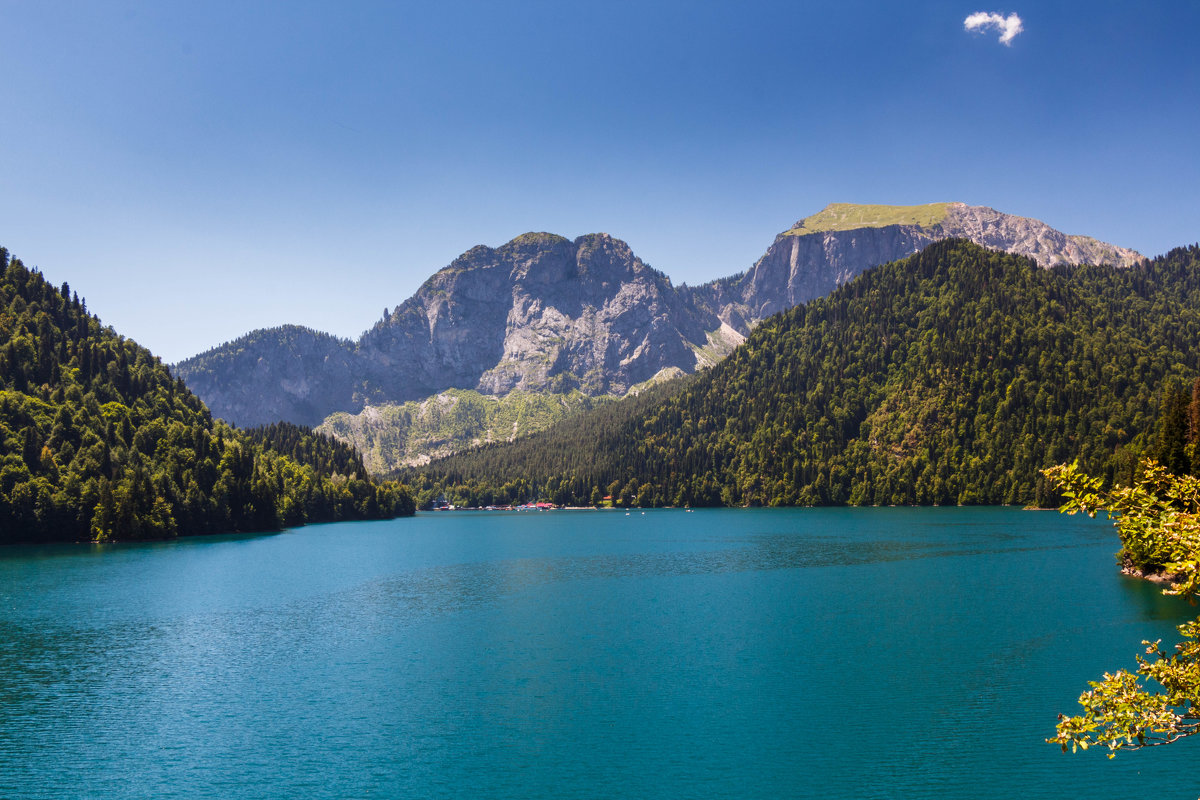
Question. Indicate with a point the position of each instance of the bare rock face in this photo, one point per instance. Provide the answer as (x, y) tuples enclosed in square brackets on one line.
[(544, 313), (540, 312), (1032, 238), (821, 252), (796, 269)]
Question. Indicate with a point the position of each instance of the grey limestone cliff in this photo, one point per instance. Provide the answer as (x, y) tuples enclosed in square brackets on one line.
[(539, 312), (821, 252)]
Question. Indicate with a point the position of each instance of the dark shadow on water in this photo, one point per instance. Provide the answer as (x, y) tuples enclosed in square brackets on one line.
[(84, 549), (1148, 595)]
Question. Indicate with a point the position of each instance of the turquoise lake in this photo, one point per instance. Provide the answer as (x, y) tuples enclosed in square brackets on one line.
[(807, 653)]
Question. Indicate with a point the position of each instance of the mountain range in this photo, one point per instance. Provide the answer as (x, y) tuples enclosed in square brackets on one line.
[(545, 313)]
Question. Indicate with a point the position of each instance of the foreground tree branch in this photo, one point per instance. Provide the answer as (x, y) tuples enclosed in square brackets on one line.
[(1158, 520)]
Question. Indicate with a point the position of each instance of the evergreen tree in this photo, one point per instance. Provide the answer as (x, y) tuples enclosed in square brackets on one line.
[(1173, 432)]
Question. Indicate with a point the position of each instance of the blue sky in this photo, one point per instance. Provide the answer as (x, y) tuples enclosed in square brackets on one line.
[(199, 170)]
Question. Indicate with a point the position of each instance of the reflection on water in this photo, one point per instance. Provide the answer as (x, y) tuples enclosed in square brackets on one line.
[(805, 653)]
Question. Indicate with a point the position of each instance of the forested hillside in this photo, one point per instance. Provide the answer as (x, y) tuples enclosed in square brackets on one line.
[(99, 442), (952, 376)]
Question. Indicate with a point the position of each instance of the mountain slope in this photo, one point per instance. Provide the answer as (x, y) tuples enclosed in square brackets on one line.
[(99, 442), (543, 313), (394, 436), (952, 376)]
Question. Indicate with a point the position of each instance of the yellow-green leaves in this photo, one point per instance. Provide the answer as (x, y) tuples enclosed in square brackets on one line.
[(1158, 520)]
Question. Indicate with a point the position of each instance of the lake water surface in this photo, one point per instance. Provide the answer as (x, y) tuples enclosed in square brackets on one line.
[(808, 653)]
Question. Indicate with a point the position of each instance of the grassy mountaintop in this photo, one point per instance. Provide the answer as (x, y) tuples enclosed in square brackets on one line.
[(848, 216)]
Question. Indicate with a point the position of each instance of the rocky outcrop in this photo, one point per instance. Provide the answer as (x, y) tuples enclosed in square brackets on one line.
[(544, 313), (409, 434)]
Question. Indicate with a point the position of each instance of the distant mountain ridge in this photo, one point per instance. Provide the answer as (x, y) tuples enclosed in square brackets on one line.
[(545, 313)]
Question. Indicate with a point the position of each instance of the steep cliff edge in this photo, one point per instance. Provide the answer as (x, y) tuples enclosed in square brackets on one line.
[(821, 252)]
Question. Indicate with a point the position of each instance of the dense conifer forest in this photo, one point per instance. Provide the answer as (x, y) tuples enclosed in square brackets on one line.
[(98, 441), (952, 376)]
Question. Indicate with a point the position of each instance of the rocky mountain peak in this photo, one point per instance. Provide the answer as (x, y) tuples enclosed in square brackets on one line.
[(535, 240)]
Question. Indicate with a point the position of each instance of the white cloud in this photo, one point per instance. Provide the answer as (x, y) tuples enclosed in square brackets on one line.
[(1008, 26)]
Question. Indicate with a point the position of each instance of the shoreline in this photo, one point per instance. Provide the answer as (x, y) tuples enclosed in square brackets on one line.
[(1153, 577)]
